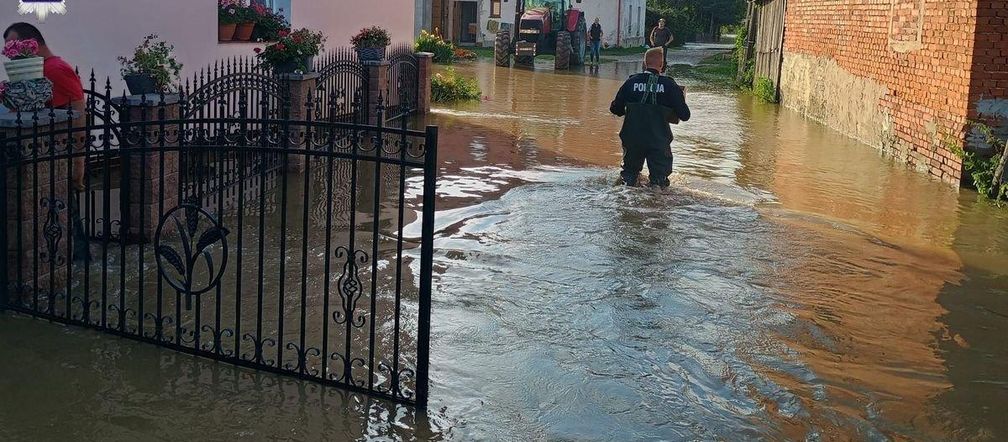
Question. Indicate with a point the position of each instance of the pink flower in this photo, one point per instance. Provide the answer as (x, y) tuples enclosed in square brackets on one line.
[(257, 50), (284, 33), (18, 49)]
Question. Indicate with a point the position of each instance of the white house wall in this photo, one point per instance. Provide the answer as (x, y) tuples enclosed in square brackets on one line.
[(611, 14), (95, 32)]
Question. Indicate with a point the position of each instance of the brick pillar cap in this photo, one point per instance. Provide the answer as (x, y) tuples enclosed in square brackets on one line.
[(299, 76), (9, 119), (425, 54), (151, 100)]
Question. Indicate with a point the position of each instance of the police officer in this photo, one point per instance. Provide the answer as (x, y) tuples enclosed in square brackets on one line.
[(650, 102)]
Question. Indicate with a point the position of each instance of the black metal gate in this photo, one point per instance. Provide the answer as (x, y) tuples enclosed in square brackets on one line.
[(211, 223)]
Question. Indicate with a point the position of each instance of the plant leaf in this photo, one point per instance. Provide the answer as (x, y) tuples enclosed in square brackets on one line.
[(172, 257)]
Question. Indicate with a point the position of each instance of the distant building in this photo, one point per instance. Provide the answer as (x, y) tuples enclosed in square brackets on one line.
[(475, 22)]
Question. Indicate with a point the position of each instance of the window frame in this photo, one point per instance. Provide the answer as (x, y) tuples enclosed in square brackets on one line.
[(500, 8)]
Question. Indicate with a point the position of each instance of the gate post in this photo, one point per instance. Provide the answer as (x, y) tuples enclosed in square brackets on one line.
[(4, 276), (146, 170), (36, 226), (377, 84), (425, 71), (426, 265), (300, 94)]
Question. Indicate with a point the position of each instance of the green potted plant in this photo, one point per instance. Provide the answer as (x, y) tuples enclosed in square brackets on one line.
[(293, 51), (268, 23), (228, 15), (25, 63), (370, 43), (152, 68), (246, 23)]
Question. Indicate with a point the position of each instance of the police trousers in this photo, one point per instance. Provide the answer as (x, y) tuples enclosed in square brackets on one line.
[(659, 163)]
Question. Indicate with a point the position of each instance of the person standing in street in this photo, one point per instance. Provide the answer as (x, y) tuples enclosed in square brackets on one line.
[(595, 38), (661, 37), (649, 103)]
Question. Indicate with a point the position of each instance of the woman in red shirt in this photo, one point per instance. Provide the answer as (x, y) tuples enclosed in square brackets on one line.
[(67, 90)]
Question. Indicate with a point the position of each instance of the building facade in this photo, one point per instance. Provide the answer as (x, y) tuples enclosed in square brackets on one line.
[(475, 22), (94, 32), (904, 75)]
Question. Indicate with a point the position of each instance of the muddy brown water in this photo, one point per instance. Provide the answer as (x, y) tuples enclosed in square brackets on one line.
[(792, 285)]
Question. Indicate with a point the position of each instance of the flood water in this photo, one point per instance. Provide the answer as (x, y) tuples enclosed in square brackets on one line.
[(793, 284)]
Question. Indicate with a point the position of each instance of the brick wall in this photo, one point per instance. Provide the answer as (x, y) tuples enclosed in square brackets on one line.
[(919, 53), (990, 54)]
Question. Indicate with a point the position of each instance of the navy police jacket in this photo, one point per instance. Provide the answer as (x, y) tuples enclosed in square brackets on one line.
[(649, 102)]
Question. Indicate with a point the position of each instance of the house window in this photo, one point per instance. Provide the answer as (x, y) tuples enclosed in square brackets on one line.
[(495, 8)]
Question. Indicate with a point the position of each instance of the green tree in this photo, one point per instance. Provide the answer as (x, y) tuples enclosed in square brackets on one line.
[(690, 19)]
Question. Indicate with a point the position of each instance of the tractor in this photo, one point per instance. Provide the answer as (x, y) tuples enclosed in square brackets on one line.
[(545, 27)]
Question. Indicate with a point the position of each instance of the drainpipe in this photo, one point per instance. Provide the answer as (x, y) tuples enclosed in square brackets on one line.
[(619, 24)]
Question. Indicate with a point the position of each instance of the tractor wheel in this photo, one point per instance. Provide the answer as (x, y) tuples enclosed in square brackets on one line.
[(563, 56), (502, 49), (579, 42), (524, 60)]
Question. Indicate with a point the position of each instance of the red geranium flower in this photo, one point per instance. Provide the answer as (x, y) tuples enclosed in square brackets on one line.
[(284, 32), (280, 46), (257, 50)]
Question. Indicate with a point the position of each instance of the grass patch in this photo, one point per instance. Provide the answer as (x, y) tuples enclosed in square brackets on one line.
[(483, 52), (451, 87), (717, 70), (765, 90)]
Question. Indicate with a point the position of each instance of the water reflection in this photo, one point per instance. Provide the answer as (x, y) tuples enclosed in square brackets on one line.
[(793, 285)]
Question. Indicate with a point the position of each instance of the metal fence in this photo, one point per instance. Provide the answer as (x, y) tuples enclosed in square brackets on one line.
[(212, 223)]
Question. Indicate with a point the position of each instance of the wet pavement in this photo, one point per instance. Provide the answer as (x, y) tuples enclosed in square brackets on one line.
[(793, 284)]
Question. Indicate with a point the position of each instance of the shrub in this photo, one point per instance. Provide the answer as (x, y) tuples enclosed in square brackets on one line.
[(765, 90), (449, 87), (982, 169), (444, 51), (373, 37)]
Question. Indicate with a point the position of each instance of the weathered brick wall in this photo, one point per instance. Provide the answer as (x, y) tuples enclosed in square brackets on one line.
[(912, 61), (989, 87)]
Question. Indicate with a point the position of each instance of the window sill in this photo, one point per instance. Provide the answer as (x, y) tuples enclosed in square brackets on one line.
[(238, 42)]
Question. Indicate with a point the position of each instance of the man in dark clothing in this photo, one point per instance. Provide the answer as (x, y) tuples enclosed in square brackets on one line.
[(661, 37), (649, 102), (595, 38)]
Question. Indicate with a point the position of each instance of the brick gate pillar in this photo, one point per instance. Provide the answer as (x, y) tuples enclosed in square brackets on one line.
[(378, 87), (151, 170), (425, 71), (37, 231), (300, 90)]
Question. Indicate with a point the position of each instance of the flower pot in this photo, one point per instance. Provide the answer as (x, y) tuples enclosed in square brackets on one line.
[(243, 32), (28, 95), (140, 84), (24, 69), (305, 64), (370, 54), (226, 32)]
